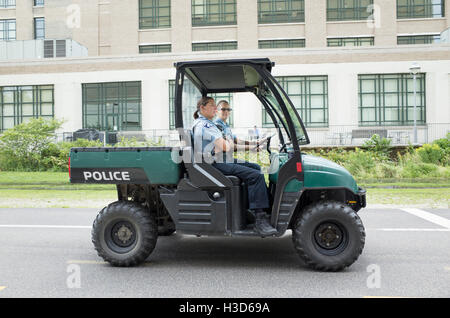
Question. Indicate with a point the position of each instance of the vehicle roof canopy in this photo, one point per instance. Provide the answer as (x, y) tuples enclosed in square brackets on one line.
[(225, 75)]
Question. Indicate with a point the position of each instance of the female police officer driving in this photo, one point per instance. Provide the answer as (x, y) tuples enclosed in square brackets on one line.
[(208, 136)]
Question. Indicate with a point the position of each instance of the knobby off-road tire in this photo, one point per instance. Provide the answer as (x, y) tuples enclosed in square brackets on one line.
[(124, 233), (328, 236)]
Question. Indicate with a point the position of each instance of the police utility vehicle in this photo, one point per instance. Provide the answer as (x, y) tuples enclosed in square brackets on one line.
[(162, 189)]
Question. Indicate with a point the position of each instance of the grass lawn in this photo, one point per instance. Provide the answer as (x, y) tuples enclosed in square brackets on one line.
[(52, 189)]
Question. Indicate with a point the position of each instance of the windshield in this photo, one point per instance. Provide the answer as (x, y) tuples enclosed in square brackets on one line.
[(270, 97)]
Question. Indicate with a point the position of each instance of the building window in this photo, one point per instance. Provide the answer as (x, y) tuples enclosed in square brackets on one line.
[(418, 39), (39, 28), (38, 3), (388, 99), (217, 97), (112, 106), (309, 94), (362, 41), (408, 9), (7, 30), (279, 44), (281, 11), (213, 12), (7, 3), (18, 104), (347, 10), (158, 48), (214, 46), (154, 14)]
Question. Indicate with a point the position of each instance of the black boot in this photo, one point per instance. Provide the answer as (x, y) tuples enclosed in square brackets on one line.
[(262, 225)]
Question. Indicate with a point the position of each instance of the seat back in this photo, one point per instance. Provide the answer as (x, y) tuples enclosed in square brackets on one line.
[(201, 174)]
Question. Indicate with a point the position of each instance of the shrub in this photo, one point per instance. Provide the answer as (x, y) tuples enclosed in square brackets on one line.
[(380, 146), (24, 146), (360, 163), (443, 143), (431, 153), (133, 142), (419, 170), (386, 170), (60, 159)]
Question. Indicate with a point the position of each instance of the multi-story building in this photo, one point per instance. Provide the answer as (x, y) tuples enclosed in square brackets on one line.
[(108, 64)]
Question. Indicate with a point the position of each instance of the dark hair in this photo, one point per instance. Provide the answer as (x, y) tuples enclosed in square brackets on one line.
[(202, 102), (223, 101)]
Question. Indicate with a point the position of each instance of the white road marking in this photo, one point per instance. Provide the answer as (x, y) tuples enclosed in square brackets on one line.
[(410, 230), (16, 226), (430, 217)]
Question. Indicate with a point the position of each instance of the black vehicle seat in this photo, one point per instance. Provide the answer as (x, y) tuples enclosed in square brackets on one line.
[(235, 180), (201, 174)]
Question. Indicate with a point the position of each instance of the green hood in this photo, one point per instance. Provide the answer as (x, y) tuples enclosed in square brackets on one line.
[(321, 173)]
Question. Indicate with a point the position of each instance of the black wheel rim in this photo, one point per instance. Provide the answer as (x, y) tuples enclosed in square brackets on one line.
[(330, 238), (121, 236)]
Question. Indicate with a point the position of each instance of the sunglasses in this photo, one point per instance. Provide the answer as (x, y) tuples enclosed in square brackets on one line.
[(226, 109)]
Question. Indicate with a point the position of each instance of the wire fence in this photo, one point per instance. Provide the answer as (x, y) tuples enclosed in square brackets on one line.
[(332, 136)]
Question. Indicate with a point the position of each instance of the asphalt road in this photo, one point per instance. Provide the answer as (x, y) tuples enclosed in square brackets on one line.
[(48, 253)]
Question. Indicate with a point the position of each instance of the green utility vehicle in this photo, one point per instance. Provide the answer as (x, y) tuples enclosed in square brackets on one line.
[(163, 189)]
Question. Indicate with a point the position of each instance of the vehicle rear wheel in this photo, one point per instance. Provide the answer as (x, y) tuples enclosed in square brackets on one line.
[(328, 236), (124, 233)]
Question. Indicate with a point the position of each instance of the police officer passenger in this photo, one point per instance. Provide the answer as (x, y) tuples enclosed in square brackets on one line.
[(224, 111), (209, 137)]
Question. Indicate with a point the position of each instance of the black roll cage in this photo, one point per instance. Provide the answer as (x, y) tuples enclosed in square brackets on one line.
[(263, 68)]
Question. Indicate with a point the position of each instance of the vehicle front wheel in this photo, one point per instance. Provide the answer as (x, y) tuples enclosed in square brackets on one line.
[(124, 233), (328, 236)]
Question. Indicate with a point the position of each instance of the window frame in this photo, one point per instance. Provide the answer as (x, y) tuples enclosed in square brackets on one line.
[(412, 39), (305, 96), (37, 103), (103, 102), (155, 48), (281, 43), (357, 41), (155, 17), (35, 27), (273, 15), (38, 3), (222, 5), (7, 4), (402, 95), (412, 14), (214, 46), (5, 34), (360, 13)]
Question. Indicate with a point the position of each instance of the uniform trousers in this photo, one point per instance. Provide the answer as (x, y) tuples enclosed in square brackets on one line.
[(250, 173)]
